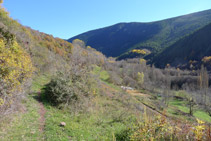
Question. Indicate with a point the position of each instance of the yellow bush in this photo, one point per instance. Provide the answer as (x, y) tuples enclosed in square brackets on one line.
[(15, 64), (207, 59), (140, 78), (153, 129), (139, 51), (142, 61), (160, 128), (199, 130), (56, 45), (1, 102)]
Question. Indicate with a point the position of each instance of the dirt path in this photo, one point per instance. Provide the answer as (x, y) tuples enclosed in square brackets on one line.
[(42, 112), (136, 93), (149, 108)]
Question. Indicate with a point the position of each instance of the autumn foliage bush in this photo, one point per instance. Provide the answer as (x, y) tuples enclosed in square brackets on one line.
[(56, 45), (15, 68), (207, 60), (139, 51), (15, 63), (162, 128)]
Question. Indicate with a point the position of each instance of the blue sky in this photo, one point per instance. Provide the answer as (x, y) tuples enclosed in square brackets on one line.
[(67, 18)]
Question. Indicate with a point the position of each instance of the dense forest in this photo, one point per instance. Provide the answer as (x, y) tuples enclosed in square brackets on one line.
[(51, 89), (189, 52)]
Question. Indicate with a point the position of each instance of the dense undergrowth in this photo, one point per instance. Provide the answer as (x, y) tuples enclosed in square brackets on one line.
[(25, 52), (15, 68)]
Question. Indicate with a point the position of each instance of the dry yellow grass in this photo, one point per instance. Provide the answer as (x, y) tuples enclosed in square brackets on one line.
[(136, 93)]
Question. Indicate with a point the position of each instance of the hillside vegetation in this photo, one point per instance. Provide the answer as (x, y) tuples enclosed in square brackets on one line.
[(25, 52), (189, 51), (51, 89), (121, 38)]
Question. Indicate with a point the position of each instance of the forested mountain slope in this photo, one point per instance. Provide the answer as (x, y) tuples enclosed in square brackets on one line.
[(123, 37), (194, 49)]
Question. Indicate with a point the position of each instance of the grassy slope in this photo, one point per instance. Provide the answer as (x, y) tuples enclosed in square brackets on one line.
[(109, 120), (95, 126), (104, 76), (25, 125), (103, 123), (175, 105), (178, 109)]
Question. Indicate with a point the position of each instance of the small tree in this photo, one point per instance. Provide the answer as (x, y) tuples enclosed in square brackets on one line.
[(140, 78), (168, 86), (153, 77), (203, 84), (191, 103), (208, 109)]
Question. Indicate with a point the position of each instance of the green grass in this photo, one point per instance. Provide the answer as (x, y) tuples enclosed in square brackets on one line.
[(202, 115), (113, 86), (24, 126), (109, 118), (101, 124), (103, 75), (39, 82), (80, 127), (182, 106)]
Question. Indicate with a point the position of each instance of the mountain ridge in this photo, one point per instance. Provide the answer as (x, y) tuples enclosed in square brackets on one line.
[(121, 38)]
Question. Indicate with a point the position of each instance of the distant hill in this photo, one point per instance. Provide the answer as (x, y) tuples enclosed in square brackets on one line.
[(121, 38), (191, 49)]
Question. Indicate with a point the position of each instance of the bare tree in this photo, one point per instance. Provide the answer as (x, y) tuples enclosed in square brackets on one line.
[(168, 86), (203, 84)]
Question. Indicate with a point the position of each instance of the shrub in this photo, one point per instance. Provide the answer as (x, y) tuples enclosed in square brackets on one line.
[(123, 135), (207, 59), (139, 51), (15, 68), (15, 63), (69, 88), (162, 128), (114, 78), (156, 129), (60, 90)]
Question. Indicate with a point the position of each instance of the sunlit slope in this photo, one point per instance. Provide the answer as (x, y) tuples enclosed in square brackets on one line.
[(120, 38)]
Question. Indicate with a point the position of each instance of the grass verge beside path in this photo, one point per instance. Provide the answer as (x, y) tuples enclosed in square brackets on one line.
[(25, 126)]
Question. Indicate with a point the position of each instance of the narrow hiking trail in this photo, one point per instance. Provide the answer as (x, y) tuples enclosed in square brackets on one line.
[(42, 112)]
